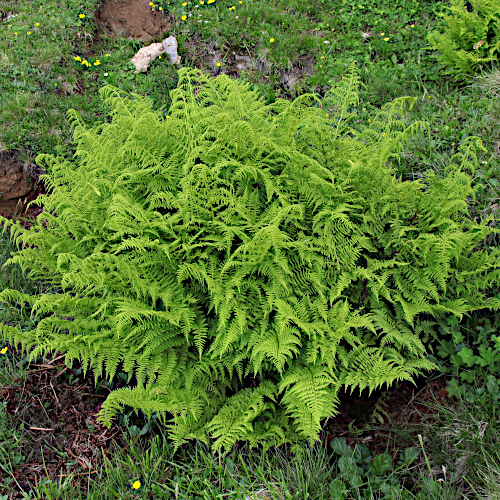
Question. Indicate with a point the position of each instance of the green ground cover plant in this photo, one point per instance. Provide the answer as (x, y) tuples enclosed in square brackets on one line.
[(471, 36), (295, 49)]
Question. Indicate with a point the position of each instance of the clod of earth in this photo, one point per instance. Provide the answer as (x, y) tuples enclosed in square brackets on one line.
[(18, 183)]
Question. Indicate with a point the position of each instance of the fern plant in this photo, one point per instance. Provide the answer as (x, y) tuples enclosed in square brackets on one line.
[(245, 261), (470, 40)]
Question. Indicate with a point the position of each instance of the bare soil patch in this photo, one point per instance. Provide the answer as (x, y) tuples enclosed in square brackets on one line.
[(19, 184), (59, 414), (131, 19)]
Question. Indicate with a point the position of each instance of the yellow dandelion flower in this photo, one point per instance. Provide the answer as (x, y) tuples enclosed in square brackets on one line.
[(184, 18), (29, 32), (202, 2), (218, 64), (271, 40), (151, 3), (15, 32), (81, 16), (184, 4), (107, 55), (4, 350), (382, 34), (78, 58), (159, 57), (412, 26), (386, 38), (136, 485), (97, 63), (241, 2), (161, 8), (37, 24)]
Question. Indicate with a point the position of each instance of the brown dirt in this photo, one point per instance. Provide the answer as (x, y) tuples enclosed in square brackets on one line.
[(290, 79), (58, 413), (379, 419), (19, 184), (134, 19), (131, 19)]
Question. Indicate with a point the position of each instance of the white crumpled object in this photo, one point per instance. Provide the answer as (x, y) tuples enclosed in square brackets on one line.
[(170, 47), (146, 55)]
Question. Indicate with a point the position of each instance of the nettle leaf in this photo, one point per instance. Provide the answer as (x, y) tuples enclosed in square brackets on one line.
[(347, 465), (362, 454), (380, 464), (340, 447), (492, 386), (467, 356), (446, 348), (468, 376), (488, 356), (409, 455), (338, 490)]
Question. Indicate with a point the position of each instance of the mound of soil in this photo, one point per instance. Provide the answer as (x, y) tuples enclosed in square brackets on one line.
[(19, 185), (132, 19)]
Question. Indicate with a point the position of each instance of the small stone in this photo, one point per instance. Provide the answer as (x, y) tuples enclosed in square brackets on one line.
[(170, 47), (146, 55)]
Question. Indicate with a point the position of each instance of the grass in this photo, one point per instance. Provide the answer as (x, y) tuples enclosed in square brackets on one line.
[(293, 47)]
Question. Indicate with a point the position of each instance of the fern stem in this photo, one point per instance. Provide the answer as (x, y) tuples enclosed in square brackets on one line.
[(369, 192), (209, 199)]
